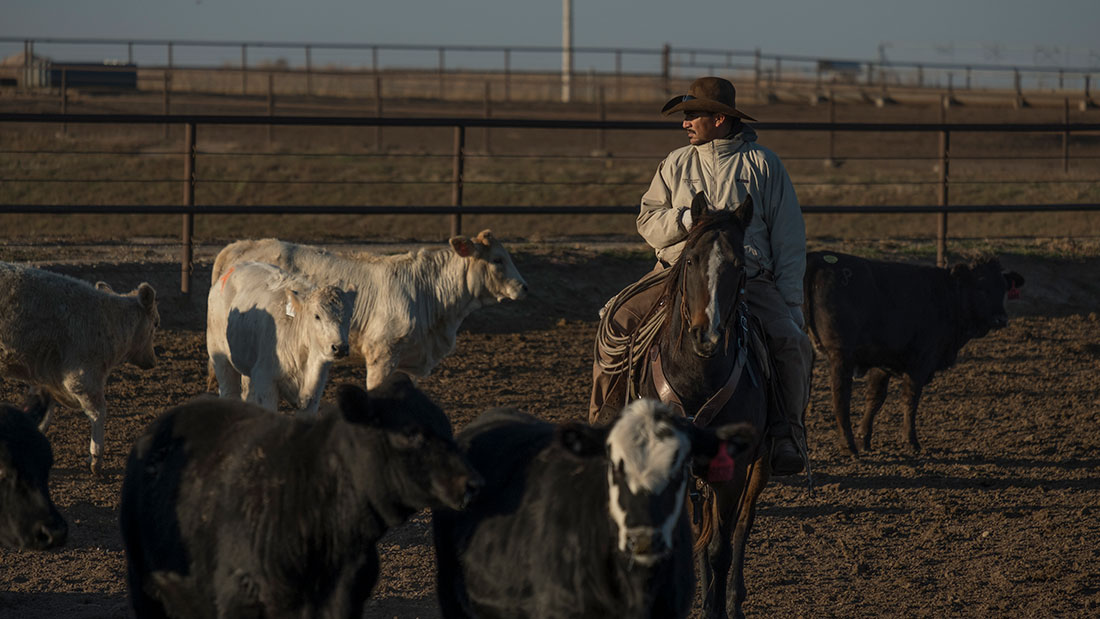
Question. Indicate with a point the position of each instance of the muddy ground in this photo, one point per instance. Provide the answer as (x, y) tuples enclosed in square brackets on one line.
[(998, 516)]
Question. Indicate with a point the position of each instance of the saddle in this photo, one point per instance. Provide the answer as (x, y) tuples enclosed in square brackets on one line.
[(636, 354)]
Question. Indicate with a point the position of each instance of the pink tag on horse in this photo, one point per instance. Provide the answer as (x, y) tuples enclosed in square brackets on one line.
[(721, 467)]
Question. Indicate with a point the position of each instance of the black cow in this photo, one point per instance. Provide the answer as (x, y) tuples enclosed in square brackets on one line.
[(231, 511), (892, 319), (28, 518), (578, 521)]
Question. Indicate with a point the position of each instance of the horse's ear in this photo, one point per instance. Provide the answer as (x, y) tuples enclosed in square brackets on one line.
[(699, 206), (744, 212)]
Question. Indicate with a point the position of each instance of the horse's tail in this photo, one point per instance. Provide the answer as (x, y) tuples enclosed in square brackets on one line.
[(708, 522)]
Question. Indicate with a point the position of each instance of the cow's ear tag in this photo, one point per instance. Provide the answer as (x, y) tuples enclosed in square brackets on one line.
[(289, 309), (721, 466), (831, 259), (1013, 292)]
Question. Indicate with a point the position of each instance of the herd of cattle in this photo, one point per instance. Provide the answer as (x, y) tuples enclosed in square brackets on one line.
[(230, 510)]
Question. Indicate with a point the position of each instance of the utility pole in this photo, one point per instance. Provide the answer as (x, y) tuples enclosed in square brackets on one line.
[(566, 49)]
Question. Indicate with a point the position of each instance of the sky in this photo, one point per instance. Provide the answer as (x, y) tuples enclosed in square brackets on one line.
[(1051, 33)]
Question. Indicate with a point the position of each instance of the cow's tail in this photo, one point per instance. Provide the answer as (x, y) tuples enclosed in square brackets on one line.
[(211, 378), (220, 262)]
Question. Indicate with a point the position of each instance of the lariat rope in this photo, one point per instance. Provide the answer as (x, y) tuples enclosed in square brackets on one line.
[(617, 353)]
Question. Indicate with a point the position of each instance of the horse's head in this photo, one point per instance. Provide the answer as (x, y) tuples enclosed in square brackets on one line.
[(710, 274)]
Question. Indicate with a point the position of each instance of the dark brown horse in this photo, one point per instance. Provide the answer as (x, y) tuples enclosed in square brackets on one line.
[(699, 358)]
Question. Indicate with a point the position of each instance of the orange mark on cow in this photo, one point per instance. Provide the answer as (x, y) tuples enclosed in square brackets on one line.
[(226, 276)]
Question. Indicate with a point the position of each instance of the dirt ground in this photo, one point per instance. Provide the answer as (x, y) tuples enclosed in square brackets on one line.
[(998, 516)]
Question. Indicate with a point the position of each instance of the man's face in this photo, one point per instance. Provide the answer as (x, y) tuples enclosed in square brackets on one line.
[(703, 127)]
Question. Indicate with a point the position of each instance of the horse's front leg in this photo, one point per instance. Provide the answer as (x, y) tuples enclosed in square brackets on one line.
[(758, 479), (717, 556)]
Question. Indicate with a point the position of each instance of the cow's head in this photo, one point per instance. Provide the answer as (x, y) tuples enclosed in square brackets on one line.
[(985, 286), (651, 453), (323, 317), (424, 467), (491, 275), (28, 518), (142, 353)]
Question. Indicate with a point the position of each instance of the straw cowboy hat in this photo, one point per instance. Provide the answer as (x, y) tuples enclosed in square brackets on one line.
[(707, 94)]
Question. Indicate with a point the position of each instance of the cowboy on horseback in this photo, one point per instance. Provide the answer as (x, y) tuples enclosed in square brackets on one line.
[(724, 162)]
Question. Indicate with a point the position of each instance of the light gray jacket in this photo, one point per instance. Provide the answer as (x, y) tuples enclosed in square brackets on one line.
[(726, 170)]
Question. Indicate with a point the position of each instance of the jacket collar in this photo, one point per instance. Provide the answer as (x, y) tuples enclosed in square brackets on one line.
[(733, 143)]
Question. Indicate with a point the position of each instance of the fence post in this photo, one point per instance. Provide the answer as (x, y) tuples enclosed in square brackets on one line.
[(188, 200), (270, 105), (167, 102), (488, 113), (456, 179), (507, 74), (244, 68), (1065, 137), (442, 74), (941, 227), (64, 99), (831, 162), (601, 112), (309, 71), (666, 61), (756, 67), (378, 111)]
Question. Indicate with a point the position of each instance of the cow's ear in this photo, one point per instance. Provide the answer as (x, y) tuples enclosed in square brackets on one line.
[(103, 287), (463, 246), (582, 440), (36, 404), (146, 295), (485, 237), (354, 403), (699, 206), (744, 212), (1013, 279), (293, 303), (738, 437)]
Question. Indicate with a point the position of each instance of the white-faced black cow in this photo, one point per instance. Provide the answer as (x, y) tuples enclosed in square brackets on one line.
[(229, 511), (892, 319), (575, 520), (28, 518)]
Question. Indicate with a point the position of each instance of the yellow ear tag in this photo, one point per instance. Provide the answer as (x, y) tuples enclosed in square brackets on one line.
[(831, 259)]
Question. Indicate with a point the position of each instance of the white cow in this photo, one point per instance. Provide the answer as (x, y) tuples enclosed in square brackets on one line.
[(66, 336), (409, 306), (270, 333)]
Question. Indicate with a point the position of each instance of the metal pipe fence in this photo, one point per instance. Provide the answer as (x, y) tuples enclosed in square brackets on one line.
[(459, 156), (667, 63)]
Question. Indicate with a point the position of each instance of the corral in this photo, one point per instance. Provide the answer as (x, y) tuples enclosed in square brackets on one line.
[(998, 515)]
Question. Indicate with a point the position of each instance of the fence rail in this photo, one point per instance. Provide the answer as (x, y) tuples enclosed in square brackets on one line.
[(665, 63), (189, 209)]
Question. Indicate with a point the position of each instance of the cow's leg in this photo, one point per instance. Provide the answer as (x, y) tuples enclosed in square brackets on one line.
[(88, 392), (914, 386), (229, 379), (264, 392), (47, 417), (313, 385), (877, 382), (840, 383), (758, 480)]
